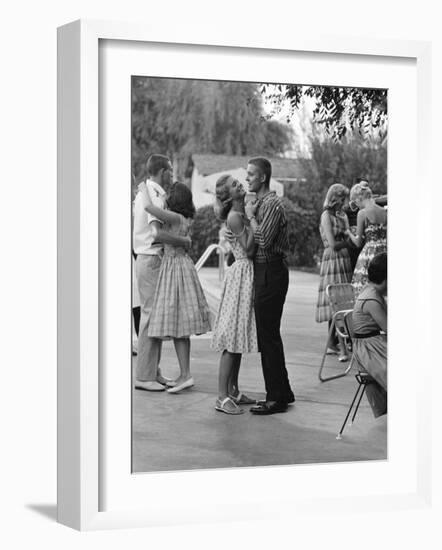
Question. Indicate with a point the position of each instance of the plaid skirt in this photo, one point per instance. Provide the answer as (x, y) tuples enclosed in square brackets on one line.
[(335, 268), (180, 307)]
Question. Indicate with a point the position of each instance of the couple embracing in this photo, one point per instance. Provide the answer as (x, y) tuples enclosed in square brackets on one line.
[(249, 317)]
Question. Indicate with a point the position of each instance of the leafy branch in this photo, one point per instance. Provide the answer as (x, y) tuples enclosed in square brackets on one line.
[(338, 109)]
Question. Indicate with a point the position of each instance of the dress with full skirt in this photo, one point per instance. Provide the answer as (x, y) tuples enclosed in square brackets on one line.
[(235, 325), (335, 266), (371, 352), (180, 307)]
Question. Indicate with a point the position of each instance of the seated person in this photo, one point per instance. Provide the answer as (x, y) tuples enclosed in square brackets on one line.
[(370, 333)]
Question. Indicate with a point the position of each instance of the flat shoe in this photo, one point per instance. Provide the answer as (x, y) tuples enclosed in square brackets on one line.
[(265, 409), (289, 401), (169, 382), (152, 385), (184, 385)]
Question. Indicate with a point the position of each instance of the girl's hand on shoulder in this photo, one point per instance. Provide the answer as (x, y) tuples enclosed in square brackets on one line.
[(229, 236), (251, 208)]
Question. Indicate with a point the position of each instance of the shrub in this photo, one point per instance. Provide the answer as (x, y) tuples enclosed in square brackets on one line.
[(302, 233), (205, 230)]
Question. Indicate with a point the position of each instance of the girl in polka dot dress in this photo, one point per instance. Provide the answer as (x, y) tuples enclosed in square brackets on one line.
[(235, 329)]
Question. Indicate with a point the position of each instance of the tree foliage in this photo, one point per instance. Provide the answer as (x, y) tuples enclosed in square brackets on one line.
[(331, 162), (205, 231), (302, 231), (339, 110), (180, 117)]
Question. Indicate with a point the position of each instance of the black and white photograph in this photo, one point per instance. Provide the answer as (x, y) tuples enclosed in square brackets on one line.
[(259, 271), (214, 196)]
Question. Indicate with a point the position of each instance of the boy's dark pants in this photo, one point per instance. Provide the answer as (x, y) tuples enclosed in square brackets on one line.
[(271, 285)]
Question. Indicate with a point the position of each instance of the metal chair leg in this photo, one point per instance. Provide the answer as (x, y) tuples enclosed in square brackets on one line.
[(324, 355), (364, 385), (321, 368), (339, 436), (363, 381)]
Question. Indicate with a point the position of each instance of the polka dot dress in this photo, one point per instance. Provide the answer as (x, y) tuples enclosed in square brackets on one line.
[(235, 326)]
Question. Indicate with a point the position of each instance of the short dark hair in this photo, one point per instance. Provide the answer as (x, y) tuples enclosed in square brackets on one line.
[(155, 163), (360, 179), (179, 200), (377, 269), (265, 167)]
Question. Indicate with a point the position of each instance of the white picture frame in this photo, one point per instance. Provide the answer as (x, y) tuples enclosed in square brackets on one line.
[(79, 448)]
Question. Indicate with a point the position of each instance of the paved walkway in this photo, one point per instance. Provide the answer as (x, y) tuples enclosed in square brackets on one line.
[(184, 432)]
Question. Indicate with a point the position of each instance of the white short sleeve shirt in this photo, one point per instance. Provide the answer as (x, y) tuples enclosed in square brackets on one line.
[(142, 234)]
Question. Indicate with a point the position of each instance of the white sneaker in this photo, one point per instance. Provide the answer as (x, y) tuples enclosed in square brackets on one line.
[(149, 386)]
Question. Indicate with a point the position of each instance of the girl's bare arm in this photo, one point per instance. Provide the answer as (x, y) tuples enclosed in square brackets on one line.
[(378, 312), (328, 230), (235, 223)]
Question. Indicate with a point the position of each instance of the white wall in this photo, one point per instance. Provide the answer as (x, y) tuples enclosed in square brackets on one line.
[(28, 276)]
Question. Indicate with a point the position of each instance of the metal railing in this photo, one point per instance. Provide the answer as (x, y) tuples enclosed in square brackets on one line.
[(207, 253)]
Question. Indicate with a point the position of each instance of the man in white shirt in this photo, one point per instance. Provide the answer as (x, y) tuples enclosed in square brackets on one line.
[(148, 240)]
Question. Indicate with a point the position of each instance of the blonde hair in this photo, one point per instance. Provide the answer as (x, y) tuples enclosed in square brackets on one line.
[(223, 202), (336, 195), (360, 191)]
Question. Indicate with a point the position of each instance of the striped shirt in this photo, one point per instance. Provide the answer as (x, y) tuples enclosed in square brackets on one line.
[(271, 235)]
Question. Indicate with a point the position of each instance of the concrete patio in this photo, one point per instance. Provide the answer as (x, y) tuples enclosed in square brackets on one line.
[(184, 432)]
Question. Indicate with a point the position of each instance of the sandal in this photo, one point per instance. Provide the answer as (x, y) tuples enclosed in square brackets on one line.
[(242, 399), (223, 406)]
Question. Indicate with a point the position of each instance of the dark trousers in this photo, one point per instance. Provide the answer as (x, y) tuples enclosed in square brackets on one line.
[(136, 312), (271, 285), (353, 252)]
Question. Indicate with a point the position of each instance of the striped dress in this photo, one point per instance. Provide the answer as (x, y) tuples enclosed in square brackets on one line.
[(335, 265), (180, 308)]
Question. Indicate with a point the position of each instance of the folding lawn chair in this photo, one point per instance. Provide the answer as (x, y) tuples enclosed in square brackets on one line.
[(363, 379), (342, 300)]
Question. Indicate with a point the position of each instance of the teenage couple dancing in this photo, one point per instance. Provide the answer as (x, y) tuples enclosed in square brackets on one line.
[(173, 304)]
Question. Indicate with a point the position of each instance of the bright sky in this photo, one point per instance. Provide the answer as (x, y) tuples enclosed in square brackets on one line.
[(300, 121)]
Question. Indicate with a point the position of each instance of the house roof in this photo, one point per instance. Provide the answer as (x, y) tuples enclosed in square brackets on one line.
[(210, 164)]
